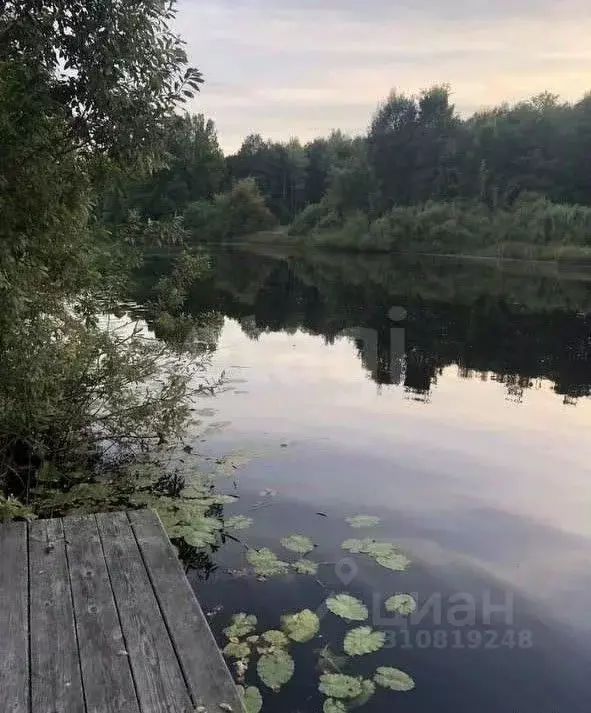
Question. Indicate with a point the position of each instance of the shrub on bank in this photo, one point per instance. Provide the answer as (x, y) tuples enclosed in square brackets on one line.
[(240, 211), (532, 227)]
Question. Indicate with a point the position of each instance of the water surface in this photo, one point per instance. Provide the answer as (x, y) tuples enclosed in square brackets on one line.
[(463, 423)]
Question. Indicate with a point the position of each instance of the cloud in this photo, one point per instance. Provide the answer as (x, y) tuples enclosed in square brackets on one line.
[(298, 67)]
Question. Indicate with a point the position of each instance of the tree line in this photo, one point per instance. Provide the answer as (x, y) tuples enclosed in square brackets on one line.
[(417, 150)]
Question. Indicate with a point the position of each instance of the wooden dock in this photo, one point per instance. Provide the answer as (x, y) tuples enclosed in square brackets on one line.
[(97, 616)]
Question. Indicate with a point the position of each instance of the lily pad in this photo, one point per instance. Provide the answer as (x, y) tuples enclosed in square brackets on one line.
[(237, 650), (266, 563), (251, 699), (301, 627), (275, 669), (238, 522), (333, 706), (361, 521), (363, 640), (353, 546), (276, 638), (394, 679), (379, 549), (305, 566), (401, 604), (298, 543), (385, 554), (347, 607), (395, 561), (242, 625), (337, 685), (202, 532)]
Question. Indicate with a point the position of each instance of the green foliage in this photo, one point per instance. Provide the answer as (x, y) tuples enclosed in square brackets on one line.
[(276, 638), (237, 650), (363, 640), (305, 566), (363, 521), (385, 554), (423, 180), (354, 546), (266, 563), (337, 685), (403, 604), (333, 706), (190, 169), (112, 94), (11, 509), (298, 543), (347, 607), (395, 561), (242, 625), (302, 626), (241, 211), (306, 221), (275, 669), (394, 679), (279, 171), (238, 522), (80, 395), (251, 699)]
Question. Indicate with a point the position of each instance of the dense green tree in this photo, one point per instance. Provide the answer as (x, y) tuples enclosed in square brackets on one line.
[(192, 169), (278, 169), (319, 165), (412, 147), (86, 89)]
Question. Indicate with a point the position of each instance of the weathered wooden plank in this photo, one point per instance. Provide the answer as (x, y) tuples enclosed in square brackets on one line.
[(159, 680), (106, 673), (14, 621), (56, 683), (205, 670)]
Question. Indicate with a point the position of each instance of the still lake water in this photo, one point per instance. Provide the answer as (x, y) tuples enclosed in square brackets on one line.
[(461, 418)]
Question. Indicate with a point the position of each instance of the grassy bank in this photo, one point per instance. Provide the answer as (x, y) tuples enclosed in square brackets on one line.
[(532, 228)]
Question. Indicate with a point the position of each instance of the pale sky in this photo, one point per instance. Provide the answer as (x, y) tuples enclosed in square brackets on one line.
[(286, 68)]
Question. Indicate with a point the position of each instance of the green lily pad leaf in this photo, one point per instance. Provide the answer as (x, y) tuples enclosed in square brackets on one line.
[(395, 561), (200, 533), (276, 638), (332, 706), (394, 679), (368, 688), (266, 563), (251, 699), (305, 566), (347, 607), (363, 640), (302, 626), (337, 685), (298, 543), (353, 546), (401, 604), (238, 522), (237, 650), (275, 669), (361, 521), (379, 549), (242, 625)]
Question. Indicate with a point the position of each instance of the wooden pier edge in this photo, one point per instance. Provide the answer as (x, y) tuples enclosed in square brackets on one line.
[(98, 617)]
